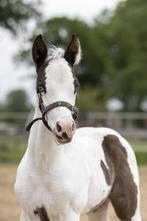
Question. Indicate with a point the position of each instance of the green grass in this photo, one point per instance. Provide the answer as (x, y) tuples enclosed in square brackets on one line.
[(140, 146), (141, 158), (10, 142), (12, 147), (11, 157)]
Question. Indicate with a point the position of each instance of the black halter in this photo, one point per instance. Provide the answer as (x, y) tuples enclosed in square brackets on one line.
[(44, 110)]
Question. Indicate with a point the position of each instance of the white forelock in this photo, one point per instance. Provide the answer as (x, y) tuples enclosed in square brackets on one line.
[(55, 53)]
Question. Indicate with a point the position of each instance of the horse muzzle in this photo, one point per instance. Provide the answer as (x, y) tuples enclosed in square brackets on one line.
[(64, 131)]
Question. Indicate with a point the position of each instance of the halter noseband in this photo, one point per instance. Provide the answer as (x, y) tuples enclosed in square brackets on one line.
[(44, 110)]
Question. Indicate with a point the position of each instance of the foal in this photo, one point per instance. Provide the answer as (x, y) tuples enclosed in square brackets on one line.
[(66, 172)]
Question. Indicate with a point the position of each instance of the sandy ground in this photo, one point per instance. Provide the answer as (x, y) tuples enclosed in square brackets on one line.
[(10, 210)]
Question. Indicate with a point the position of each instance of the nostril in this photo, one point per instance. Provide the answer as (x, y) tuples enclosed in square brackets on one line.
[(65, 136), (59, 128)]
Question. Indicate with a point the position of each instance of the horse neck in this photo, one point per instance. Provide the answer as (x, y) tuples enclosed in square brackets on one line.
[(41, 145)]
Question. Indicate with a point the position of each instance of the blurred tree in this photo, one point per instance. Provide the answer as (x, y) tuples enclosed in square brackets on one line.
[(17, 101), (126, 40), (91, 99), (14, 13)]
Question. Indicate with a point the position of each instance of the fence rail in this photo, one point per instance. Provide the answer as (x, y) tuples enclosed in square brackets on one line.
[(129, 124), (13, 137), (13, 115)]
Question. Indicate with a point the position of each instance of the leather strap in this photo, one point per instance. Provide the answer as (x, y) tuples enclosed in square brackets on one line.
[(28, 127), (73, 109)]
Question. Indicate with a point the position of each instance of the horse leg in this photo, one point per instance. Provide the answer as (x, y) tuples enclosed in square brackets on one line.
[(23, 216), (69, 216), (101, 214)]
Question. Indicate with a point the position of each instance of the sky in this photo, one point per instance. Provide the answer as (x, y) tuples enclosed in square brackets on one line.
[(14, 75)]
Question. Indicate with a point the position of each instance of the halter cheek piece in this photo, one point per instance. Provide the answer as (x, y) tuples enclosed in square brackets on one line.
[(44, 110)]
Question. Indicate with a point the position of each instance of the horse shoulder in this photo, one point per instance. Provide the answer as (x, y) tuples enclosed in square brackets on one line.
[(91, 162)]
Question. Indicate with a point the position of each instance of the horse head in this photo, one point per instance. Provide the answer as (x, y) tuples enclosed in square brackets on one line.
[(57, 86)]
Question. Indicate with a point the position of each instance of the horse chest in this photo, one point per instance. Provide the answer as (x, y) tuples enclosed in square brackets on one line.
[(77, 182), (52, 189)]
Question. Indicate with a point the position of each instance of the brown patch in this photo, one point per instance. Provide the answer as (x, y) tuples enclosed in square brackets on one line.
[(41, 212), (124, 191), (106, 173)]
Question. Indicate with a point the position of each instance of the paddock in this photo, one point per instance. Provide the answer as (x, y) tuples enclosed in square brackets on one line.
[(9, 208)]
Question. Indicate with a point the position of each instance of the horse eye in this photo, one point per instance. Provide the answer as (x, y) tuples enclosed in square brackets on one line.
[(77, 90), (74, 116), (40, 89), (77, 86)]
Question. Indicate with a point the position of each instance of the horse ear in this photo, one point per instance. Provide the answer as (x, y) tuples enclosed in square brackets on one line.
[(39, 51), (73, 51)]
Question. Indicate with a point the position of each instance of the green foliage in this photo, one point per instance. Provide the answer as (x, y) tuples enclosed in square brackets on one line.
[(127, 47), (17, 101), (14, 13), (12, 147), (141, 158), (91, 99)]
